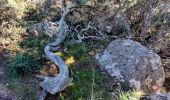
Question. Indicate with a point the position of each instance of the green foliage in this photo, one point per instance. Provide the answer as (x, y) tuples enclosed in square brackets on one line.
[(123, 96), (130, 95), (36, 16), (28, 62), (82, 85), (84, 79), (81, 2), (22, 63), (80, 51), (101, 1), (38, 43)]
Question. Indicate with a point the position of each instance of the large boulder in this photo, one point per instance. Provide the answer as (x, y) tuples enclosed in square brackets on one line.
[(130, 62)]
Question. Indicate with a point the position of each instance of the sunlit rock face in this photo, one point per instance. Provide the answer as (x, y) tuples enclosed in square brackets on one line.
[(129, 61)]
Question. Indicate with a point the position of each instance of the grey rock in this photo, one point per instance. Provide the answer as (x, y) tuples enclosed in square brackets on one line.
[(135, 64), (118, 26), (155, 96)]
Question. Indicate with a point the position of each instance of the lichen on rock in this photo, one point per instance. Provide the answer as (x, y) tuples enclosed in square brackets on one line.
[(129, 60)]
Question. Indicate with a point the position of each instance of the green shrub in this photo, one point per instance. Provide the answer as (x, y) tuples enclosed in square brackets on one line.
[(38, 43), (36, 16), (29, 62), (23, 64), (80, 51), (81, 2)]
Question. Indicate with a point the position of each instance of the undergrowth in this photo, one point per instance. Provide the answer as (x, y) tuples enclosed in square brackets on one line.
[(83, 87), (22, 64), (28, 62), (79, 51)]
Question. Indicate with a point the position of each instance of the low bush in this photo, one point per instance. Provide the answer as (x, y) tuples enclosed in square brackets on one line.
[(80, 51), (23, 63)]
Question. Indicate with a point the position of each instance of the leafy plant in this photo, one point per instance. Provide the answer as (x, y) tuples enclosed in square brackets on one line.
[(132, 95), (36, 16), (22, 64), (81, 2), (28, 62), (38, 43), (80, 52), (129, 95)]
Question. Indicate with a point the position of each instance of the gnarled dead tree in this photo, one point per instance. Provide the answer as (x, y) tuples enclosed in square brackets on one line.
[(62, 80)]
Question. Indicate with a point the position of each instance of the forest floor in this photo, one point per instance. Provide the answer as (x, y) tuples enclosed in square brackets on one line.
[(89, 83)]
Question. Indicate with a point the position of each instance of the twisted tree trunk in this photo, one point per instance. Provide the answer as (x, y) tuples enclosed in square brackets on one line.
[(62, 80), (59, 82)]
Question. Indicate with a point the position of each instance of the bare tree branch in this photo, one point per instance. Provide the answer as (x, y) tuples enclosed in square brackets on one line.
[(147, 20)]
